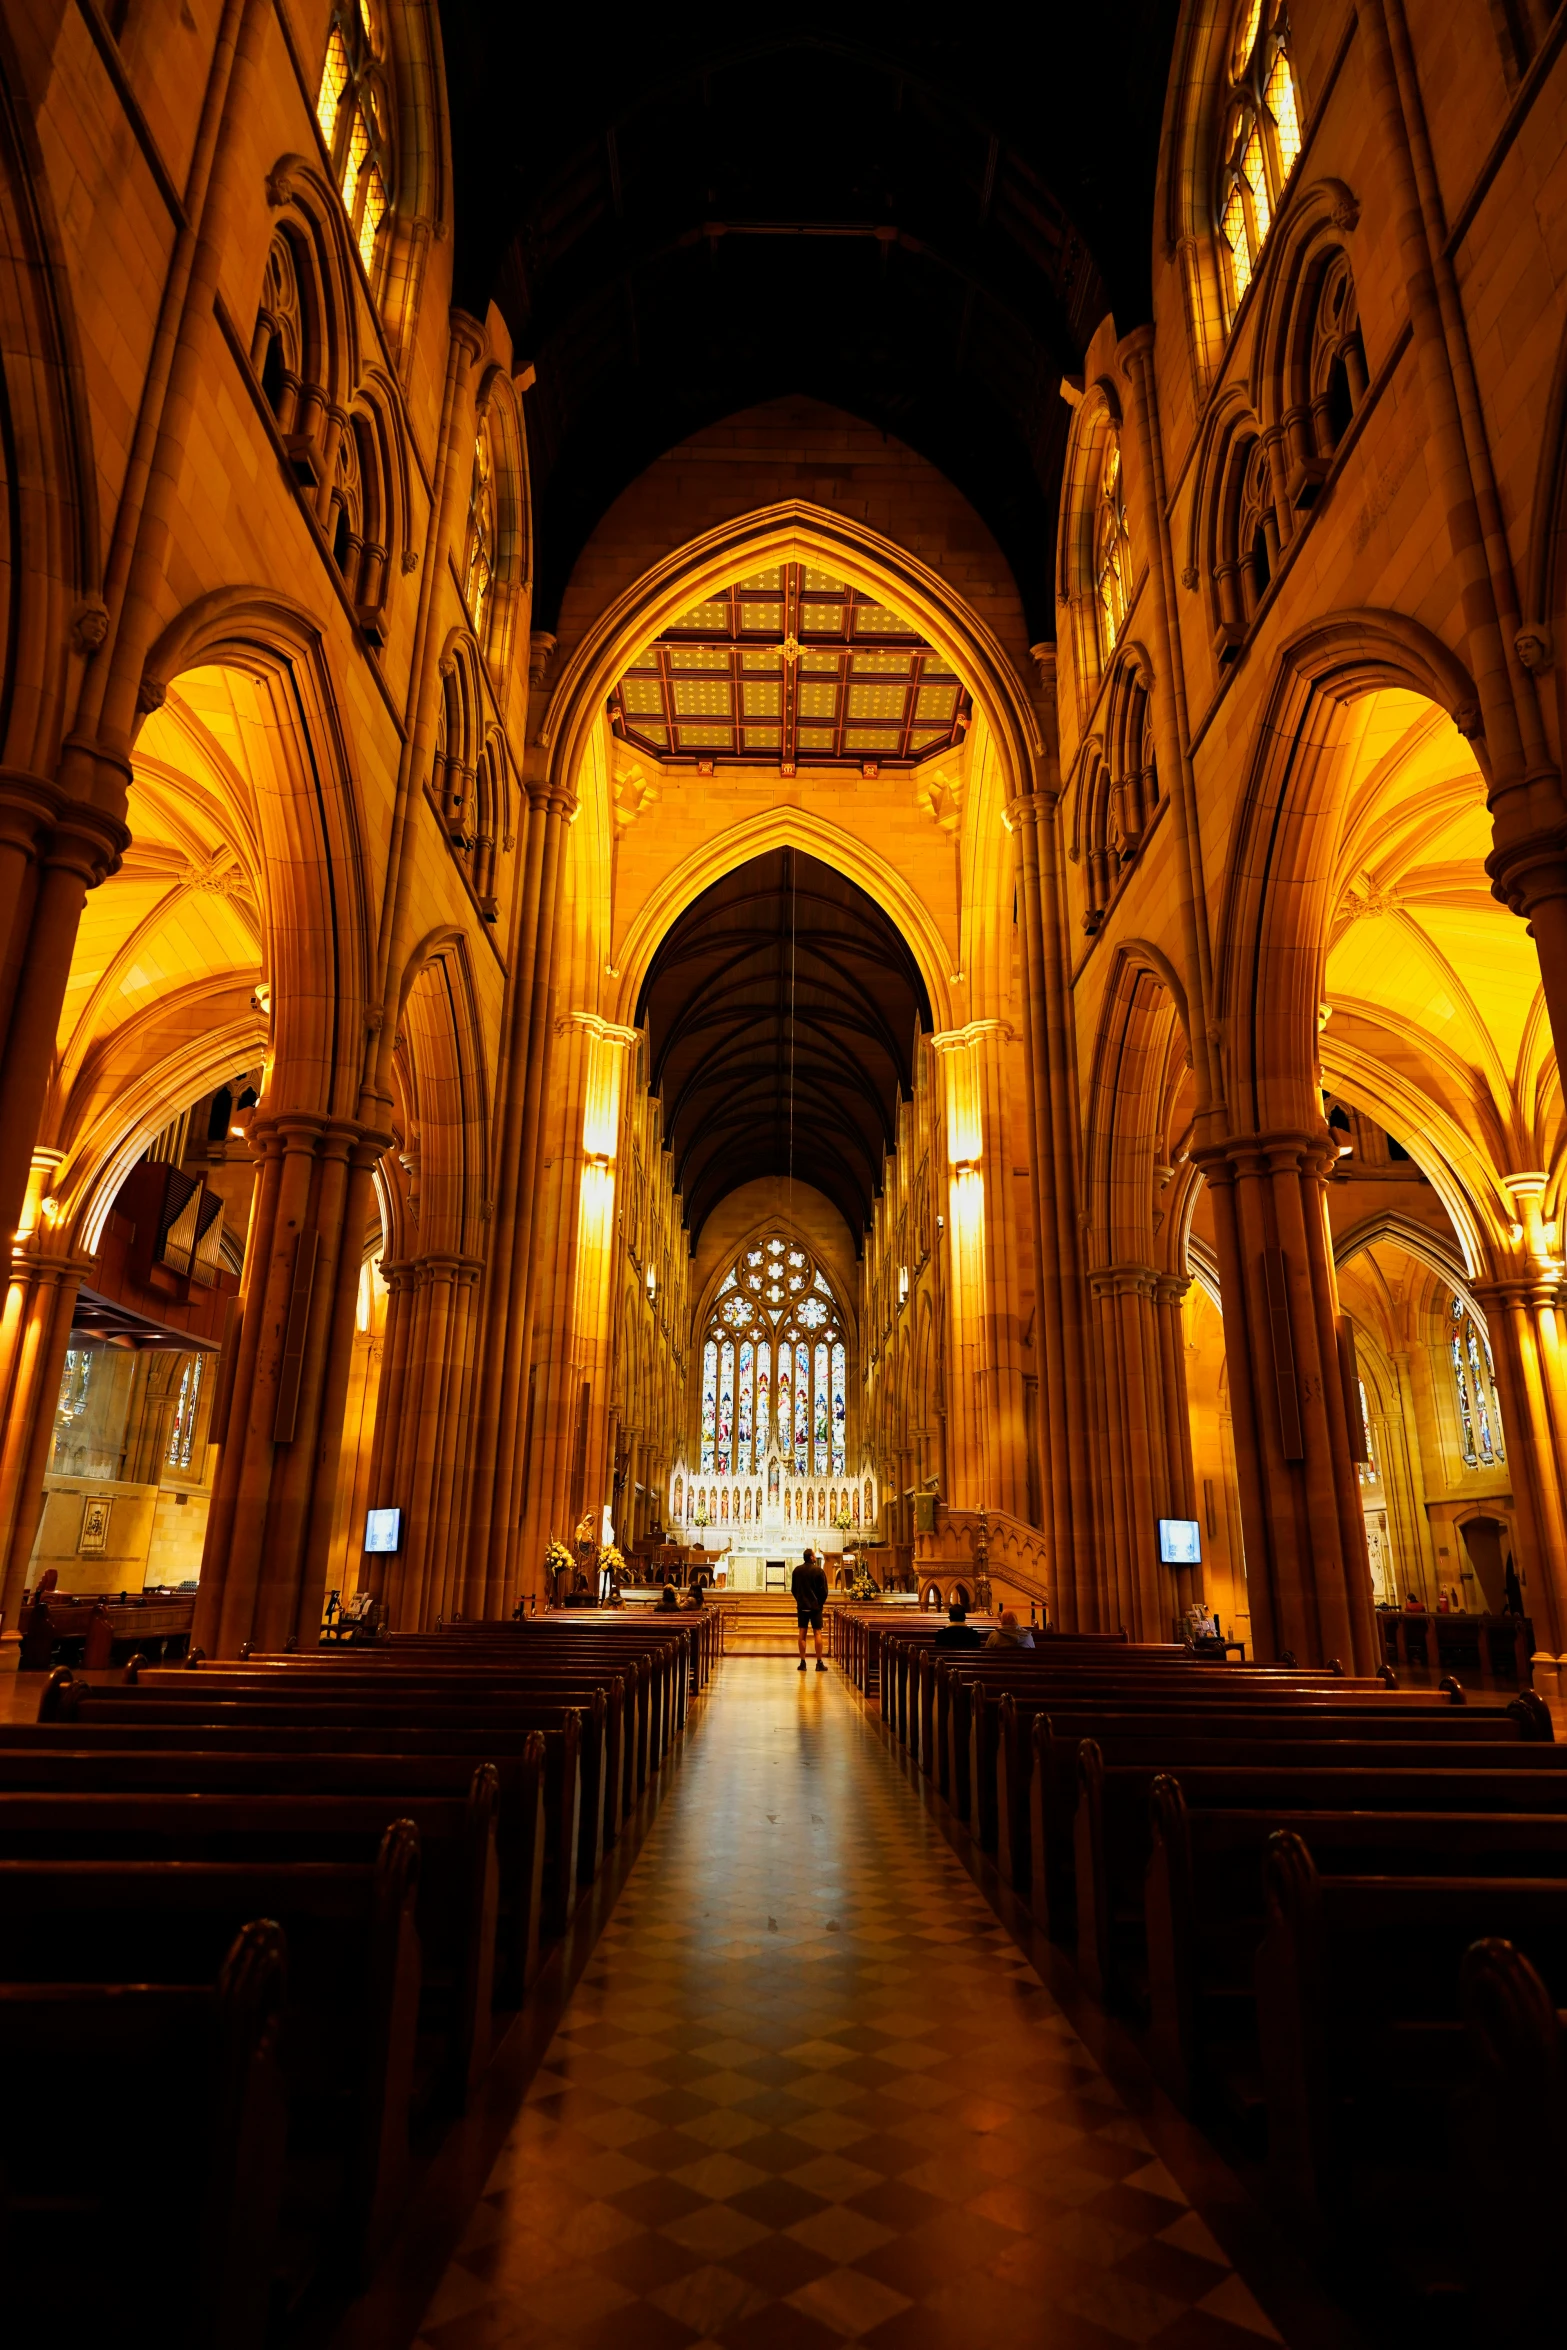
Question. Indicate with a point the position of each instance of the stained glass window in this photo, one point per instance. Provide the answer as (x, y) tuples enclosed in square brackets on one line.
[(743, 1425), (354, 110), (723, 1455), (775, 1317), (479, 569), (709, 1405), (1474, 1391), (1112, 549), (1261, 143), (182, 1434), (75, 1379), (1367, 1469)]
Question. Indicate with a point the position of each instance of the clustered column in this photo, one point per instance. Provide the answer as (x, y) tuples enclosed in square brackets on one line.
[(269, 1531), (1063, 1302), (1307, 1574)]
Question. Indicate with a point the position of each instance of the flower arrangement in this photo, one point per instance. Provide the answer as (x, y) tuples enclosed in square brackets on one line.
[(558, 1560), (611, 1560), (843, 1521)]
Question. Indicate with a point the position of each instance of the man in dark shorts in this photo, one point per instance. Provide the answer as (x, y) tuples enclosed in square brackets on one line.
[(809, 1585)]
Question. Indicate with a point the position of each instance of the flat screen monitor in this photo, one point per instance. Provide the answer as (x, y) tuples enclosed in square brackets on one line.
[(383, 1529), (1180, 1542)]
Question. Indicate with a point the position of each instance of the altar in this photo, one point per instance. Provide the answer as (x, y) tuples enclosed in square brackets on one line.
[(751, 1570)]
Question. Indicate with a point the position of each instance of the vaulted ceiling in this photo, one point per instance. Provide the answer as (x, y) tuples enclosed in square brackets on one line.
[(920, 221), (782, 1009)]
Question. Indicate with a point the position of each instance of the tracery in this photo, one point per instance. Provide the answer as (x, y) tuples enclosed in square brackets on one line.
[(354, 110), (1261, 141)]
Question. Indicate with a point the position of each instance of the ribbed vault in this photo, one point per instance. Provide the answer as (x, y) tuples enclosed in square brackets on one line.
[(782, 1009)]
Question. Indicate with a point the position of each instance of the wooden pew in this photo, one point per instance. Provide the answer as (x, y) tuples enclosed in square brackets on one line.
[(1516, 2143), (67, 1761), (348, 2049), (1202, 1900), (458, 1879), (1066, 1841), (968, 1697), (1014, 1811), (214, 2125), (472, 1696), (133, 1716), (1365, 2063)]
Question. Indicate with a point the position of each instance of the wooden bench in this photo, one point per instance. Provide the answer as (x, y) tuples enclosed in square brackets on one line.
[(348, 2047), (458, 1878), (570, 1822), (1064, 1839), (214, 2124), (1365, 2065), (416, 1699), (71, 1761)]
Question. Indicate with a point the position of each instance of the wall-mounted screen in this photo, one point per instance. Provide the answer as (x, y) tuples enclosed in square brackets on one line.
[(1180, 1542), (383, 1529)]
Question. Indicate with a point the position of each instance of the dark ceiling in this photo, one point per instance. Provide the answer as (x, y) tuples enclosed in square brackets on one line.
[(921, 223), (783, 984)]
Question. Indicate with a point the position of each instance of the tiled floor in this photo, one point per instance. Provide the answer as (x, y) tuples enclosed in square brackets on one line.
[(809, 2092)]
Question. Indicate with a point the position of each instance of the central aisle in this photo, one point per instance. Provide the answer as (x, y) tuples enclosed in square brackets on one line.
[(809, 2091)]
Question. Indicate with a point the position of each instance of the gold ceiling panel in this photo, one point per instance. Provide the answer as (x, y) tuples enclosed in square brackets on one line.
[(791, 662)]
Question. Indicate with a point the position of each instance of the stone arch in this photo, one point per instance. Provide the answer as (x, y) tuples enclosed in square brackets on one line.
[(422, 204), (49, 524), (103, 1150), (1269, 960), (1189, 152), (1308, 324), (309, 824), (786, 827), (448, 1096), (498, 408), (792, 531), (1096, 428), (310, 218)]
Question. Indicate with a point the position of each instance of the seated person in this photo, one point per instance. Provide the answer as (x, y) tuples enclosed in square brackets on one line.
[(670, 1600), (1202, 1628), (958, 1632), (1414, 1605), (1008, 1634)]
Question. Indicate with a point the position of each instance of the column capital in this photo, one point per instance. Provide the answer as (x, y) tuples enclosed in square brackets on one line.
[(977, 1032), (1123, 1280), (600, 1030), (1275, 1151)]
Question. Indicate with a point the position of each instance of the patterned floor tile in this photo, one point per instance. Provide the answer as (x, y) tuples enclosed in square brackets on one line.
[(809, 2093)]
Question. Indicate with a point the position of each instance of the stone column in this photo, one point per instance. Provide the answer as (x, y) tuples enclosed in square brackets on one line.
[(34, 1334), (1071, 1505), (500, 1424), (263, 1567), (1307, 1576), (1524, 1322)]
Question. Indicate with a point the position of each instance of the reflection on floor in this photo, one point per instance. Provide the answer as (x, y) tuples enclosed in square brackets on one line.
[(809, 2091)]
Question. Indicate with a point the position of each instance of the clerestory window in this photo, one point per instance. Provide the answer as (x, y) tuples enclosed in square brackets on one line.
[(354, 110), (1260, 145)]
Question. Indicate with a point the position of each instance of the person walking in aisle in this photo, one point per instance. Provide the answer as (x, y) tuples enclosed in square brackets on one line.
[(809, 1585)]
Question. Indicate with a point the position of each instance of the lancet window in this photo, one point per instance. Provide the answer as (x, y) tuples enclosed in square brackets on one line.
[(354, 110), (1474, 1391), (1260, 143), (775, 1366), (182, 1429), (480, 554), (1112, 549)]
